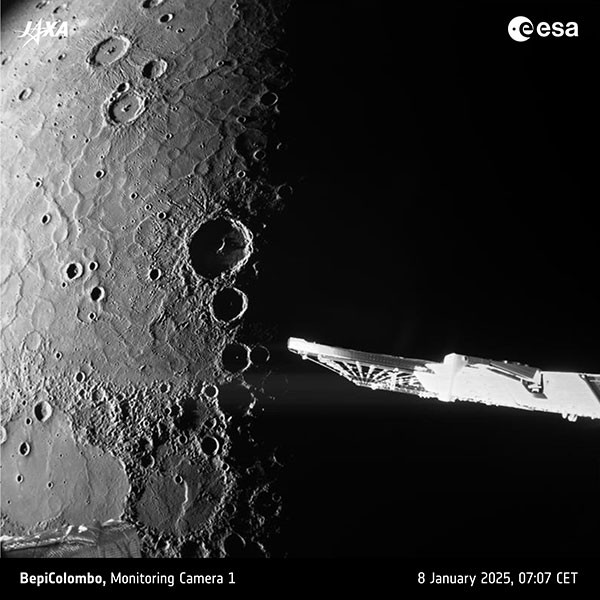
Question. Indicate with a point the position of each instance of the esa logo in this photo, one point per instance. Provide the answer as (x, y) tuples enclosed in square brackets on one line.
[(520, 29)]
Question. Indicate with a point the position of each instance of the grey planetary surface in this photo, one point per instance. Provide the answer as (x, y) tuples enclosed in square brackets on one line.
[(134, 200)]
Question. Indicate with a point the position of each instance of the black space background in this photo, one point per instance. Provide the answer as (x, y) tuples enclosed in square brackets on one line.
[(446, 183), (445, 194)]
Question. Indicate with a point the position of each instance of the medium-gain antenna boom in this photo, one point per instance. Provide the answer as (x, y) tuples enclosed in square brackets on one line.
[(464, 378)]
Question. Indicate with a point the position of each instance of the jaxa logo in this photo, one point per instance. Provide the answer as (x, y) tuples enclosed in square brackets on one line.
[(47, 29)]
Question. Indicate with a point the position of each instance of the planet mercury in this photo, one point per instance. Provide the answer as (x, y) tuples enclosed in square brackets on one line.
[(135, 193)]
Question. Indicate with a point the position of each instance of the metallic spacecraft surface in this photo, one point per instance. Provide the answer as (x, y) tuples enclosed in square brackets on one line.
[(466, 378)]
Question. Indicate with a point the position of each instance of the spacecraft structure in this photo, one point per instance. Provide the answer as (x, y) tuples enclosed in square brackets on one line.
[(464, 378)]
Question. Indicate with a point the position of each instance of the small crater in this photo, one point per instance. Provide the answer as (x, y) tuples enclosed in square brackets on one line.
[(209, 445), (42, 411), (234, 545), (25, 94), (98, 293), (109, 51), (100, 173), (235, 358), (285, 191), (93, 266), (229, 304), (210, 391), (73, 271), (154, 274), (154, 69), (125, 109), (269, 99), (50, 485), (123, 87), (2, 435), (80, 377), (46, 219), (166, 18), (220, 246), (260, 154), (151, 3), (19, 479), (259, 355), (178, 479), (24, 449), (164, 387), (249, 142), (147, 461)]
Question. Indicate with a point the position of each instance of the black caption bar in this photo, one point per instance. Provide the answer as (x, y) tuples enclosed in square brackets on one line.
[(218, 576)]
